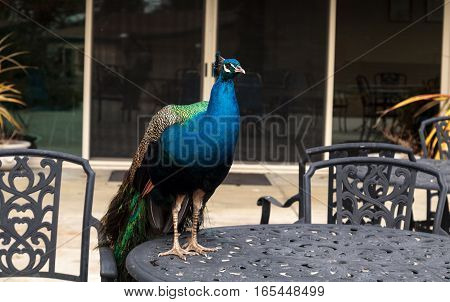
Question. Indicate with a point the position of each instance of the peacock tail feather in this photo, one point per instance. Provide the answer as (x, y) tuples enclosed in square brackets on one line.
[(135, 230)]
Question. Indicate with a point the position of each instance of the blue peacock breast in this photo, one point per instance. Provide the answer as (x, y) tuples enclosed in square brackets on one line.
[(204, 141)]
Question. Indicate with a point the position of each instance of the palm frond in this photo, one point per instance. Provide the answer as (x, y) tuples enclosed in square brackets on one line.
[(11, 56), (8, 92), (11, 68), (5, 38), (3, 47), (6, 87), (420, 98), (5, 114), (426, 107), (427, 102)]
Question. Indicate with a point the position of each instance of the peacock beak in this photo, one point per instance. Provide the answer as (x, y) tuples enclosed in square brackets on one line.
[(239, 69)]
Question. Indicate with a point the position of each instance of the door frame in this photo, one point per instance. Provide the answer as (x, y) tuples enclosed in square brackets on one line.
[(209, 44), (87, 77), (329, 82), (445, 53)]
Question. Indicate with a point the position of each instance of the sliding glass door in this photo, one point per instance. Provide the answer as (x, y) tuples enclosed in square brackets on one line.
[(386, 51), (282, 45), (147, 53)]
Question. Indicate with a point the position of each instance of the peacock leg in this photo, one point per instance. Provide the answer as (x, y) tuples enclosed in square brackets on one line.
[(192, 244), (176, 249)]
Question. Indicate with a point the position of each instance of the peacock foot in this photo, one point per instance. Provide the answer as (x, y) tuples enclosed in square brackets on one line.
[(176, 250), (194, 246)]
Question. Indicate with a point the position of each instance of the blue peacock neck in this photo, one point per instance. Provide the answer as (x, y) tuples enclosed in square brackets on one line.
[(223, 110), (222, 101)]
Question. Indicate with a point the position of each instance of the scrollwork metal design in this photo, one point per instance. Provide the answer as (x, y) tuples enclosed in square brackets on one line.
[(443, 137), (358, 150), (28, 217), (441, 125), (365, 196)]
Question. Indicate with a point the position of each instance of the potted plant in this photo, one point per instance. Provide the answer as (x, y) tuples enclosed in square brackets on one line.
[(404, 130), (10, 127)]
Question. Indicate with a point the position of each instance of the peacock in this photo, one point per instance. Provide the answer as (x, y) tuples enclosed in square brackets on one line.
[(185, 154)]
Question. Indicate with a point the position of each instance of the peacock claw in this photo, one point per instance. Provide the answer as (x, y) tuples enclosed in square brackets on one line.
[(194, 246), (177, 251)]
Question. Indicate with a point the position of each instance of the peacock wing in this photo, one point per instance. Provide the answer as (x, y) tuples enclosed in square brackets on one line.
[(163, 119)]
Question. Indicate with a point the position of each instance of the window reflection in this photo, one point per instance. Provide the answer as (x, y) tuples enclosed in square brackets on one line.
[(282, 46), (390, 70), (53, 88), (150, 54)]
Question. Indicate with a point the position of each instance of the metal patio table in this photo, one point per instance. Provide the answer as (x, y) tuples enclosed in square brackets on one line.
[(299, 252)]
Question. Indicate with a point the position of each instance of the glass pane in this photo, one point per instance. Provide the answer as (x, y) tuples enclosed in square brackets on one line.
[(53, 86), (379, 63), (282, 47), (148, 54)]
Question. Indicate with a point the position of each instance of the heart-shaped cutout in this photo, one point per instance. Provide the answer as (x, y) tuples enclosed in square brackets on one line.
[(20, 260), (21, 228), (22, 183)]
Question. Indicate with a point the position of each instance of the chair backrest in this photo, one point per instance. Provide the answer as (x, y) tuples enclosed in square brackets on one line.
[(340, 99), (39, 196), (390, 78), (365, 195), (364, 89), (442, 128), (361, 149)]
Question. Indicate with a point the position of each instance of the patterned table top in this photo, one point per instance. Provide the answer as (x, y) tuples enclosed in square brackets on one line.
[(299, 252)]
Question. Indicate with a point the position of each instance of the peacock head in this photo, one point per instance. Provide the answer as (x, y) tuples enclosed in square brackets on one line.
[(227, 68)]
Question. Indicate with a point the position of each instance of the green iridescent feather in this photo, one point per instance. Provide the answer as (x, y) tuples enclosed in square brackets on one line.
[(134, 227), (185, 112)]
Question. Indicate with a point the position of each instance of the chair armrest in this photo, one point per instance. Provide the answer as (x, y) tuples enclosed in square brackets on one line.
[(108, 266), (266, 201)]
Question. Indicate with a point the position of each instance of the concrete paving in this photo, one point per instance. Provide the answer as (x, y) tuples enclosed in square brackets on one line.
[(230, 205)]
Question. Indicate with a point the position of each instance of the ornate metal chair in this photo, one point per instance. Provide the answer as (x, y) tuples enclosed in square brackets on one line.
[(369, 107), (391, 81), (29, 213), (390, 78), (333, 151), (442, 128), (365, 194)]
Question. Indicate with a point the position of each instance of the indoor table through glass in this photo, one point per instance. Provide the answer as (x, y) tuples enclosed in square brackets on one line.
[(299, 252)]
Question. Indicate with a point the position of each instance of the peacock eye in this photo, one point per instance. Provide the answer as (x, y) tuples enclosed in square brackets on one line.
[(228, 65)]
